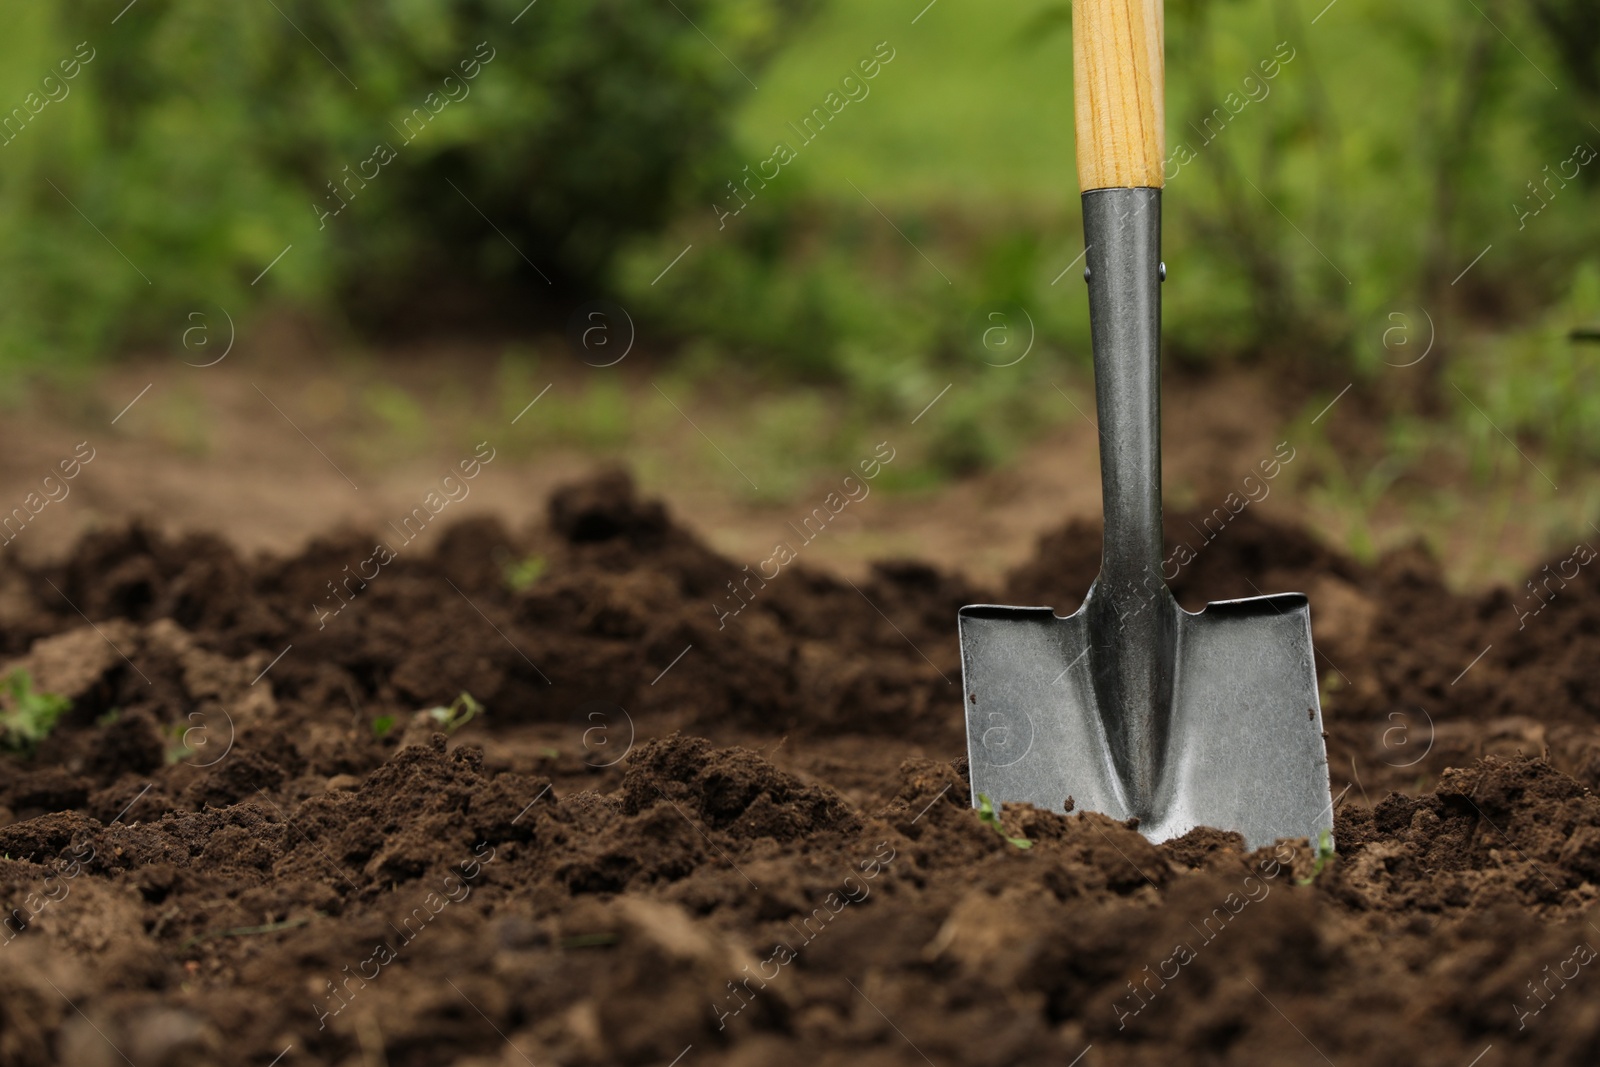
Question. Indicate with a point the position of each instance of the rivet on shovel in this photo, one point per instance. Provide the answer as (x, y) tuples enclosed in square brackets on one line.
[(1131, 705)]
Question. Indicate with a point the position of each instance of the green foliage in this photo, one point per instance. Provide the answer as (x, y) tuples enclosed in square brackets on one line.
[(382, 726), (892, 338), (462, 710), (1388, 148), (989, 815), (27, 716), (1390, 145), (1544, 381), (203, 140), (522, 573)]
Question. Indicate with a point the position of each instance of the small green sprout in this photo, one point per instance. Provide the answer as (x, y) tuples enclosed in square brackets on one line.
[(1324, 854), (589, 940), (249, 931), (179, 749), (110, 718), (29, 716), (989, 812), (382, 725), (522, 573), (462, 710)]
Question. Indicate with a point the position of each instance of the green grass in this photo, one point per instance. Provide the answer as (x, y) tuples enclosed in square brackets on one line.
[(402, 418), (966, 114)]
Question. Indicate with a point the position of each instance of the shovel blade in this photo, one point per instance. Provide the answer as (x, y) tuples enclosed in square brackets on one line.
[(1244, 748)]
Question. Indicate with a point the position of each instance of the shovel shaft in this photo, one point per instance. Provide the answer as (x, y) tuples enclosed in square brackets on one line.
[(1118, 86), (1132, 618), (1122, 232)]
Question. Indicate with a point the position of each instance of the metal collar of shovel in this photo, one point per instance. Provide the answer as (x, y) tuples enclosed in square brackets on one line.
[(1132, 706)]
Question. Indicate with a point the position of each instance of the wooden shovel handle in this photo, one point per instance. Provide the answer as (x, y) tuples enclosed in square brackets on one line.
[(1118, 80)]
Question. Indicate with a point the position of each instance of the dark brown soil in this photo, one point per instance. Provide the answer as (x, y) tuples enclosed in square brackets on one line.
[(680, 835)]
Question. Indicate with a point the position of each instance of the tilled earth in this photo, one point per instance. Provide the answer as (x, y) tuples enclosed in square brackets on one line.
[(680, 835)]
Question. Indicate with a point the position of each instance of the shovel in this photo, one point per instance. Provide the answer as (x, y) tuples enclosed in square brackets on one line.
[(1132, 706)]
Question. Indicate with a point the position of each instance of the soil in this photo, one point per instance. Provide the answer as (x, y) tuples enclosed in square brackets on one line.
[(681, 833)]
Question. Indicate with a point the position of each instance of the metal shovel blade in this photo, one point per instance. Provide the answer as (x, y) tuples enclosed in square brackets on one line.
[(1243, 748), (1132, 706)]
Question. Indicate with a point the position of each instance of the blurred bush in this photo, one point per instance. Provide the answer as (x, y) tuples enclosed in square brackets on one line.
[(1389, 149), (415, 154), (1331, 168)]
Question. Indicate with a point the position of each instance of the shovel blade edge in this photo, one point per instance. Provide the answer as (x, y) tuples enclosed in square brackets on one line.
[(1245, 750)]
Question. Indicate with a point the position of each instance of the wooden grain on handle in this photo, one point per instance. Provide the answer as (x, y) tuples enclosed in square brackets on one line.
[(1118, 77)]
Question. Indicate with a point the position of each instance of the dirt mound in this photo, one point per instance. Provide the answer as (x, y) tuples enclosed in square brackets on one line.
[(716, 815), (736, 791)]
